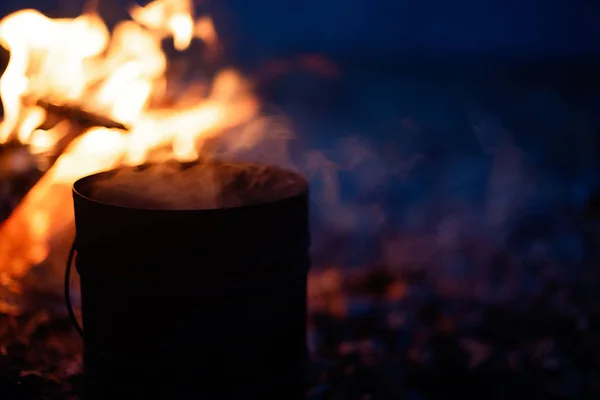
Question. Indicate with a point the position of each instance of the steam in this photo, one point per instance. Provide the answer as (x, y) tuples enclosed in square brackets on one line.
[(174, 186)]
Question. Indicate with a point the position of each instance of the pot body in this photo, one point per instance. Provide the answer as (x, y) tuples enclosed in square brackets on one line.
[(193, 304)]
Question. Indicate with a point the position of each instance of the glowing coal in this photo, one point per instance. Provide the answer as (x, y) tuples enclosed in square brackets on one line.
[(174, 186)]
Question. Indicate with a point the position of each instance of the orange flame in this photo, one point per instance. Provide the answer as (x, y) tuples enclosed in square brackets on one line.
[(120, 76)]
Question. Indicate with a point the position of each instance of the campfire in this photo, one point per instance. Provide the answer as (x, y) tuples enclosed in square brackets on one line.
[(84, 99), (80, 99), (462, 299)]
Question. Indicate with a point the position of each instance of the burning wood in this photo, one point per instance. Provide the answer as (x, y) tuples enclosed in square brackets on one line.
[(67, 67), (29, 237), (83, 117)]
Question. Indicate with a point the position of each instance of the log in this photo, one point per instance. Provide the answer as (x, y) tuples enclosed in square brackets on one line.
[(4, 58), (80, 115)]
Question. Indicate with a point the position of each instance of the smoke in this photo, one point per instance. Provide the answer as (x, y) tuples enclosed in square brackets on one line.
[(487, 200)]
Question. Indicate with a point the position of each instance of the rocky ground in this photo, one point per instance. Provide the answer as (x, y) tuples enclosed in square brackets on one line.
[(379, 336)]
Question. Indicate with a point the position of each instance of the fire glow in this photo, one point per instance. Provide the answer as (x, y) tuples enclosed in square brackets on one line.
[(120, 75)]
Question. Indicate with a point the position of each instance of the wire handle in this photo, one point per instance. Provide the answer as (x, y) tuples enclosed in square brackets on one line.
[(72, 316)]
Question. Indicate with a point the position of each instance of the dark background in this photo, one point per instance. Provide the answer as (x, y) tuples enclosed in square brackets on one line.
[(390, 29)]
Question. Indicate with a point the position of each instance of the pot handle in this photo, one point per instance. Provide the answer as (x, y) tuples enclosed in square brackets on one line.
[(72, 316)]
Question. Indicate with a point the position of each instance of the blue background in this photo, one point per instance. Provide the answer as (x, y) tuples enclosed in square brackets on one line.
[(392, 29)]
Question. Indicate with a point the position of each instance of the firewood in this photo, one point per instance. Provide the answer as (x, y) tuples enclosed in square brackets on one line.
[(80, 115)]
